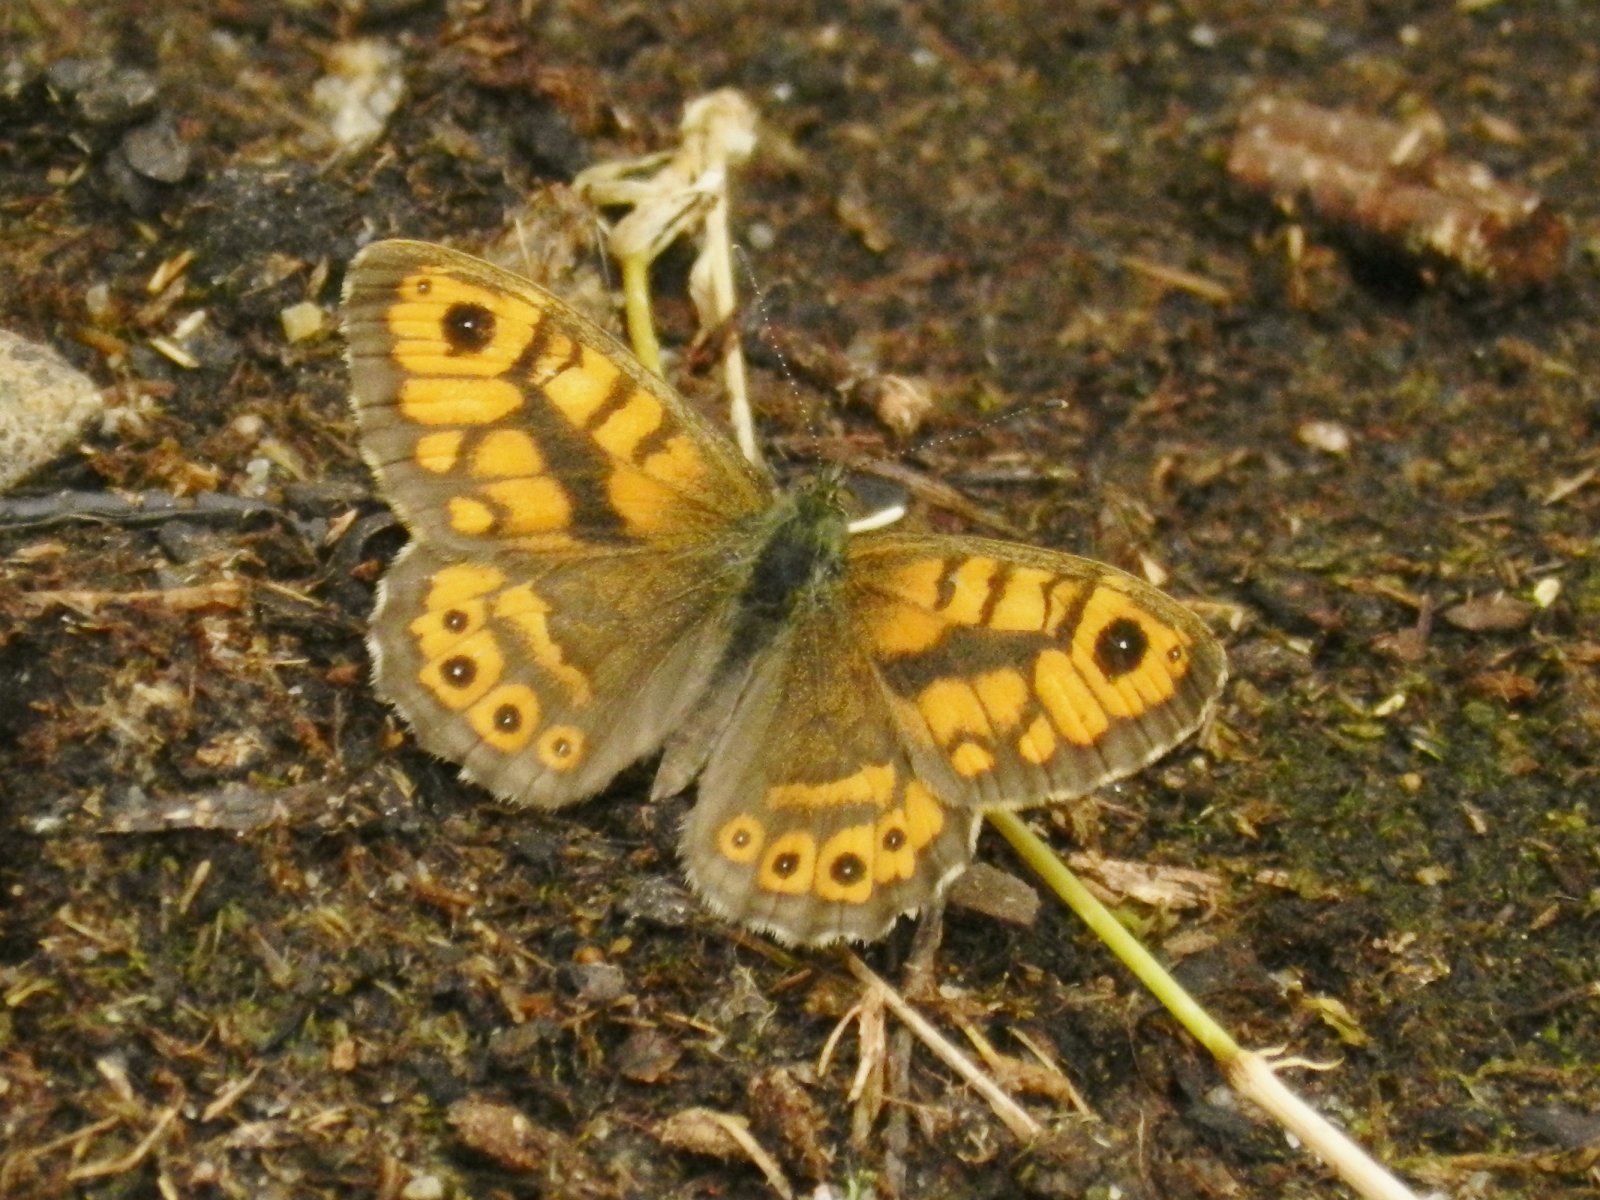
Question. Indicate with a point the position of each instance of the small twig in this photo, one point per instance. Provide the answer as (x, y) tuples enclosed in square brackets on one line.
[(1392, 186), (1012, 1114), (229, 1096), (1048, 1063), (130, 1160), (74, 1138), (225, 593), (1188, 281), (137, 508)]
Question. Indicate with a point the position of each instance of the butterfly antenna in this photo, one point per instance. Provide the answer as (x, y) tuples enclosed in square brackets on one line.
[(758, 310), (1015, 413)]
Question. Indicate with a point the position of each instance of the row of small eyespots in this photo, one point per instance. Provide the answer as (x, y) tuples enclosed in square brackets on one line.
[(505, 715), (849, 865)]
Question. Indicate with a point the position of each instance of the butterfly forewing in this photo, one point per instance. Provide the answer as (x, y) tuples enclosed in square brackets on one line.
[(1036, 675), (498, 418)]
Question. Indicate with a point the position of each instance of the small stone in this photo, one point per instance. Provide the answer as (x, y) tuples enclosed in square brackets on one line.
[(423, 1187), (15, 78), (102, 92), (995, 893), (659, 901), (44, 404), (249, 426), (189, 541), (71, 75), (98, 303), (302, 321), (594, 983), (363, 87), (1328, 436), (156, 151)]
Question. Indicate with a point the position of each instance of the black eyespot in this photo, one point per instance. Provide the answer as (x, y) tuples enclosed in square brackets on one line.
[(468, 327), (894, 839), (424, 286), (786, 864), (459, 671), (1121, 647), (508, 718), (455, 620), (1175, 654), (847, 869), (561, 747), (741, 839)]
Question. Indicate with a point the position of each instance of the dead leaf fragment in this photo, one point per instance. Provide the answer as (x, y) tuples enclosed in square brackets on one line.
[(783, 1107), (1507, 686), (648, 1056), (721, 1135), (502, 1132), (1165, 887), (901, 402), (1489, 614)]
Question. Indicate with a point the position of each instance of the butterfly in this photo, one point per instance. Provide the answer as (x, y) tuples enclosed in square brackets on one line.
[(597, 575)]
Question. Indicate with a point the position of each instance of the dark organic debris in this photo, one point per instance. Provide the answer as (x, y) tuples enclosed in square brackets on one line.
[(781, 1106)]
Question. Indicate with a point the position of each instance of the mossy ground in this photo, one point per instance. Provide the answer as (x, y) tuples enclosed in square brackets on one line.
[(1400, 808)]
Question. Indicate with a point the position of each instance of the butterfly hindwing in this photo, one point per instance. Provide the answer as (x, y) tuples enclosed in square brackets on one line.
[(815, 820), (518, 669)]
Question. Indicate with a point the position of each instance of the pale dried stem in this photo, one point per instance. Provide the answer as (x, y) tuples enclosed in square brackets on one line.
[(1011, 1114)]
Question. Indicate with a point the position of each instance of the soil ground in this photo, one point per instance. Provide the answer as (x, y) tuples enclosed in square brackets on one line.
[(253, 943)]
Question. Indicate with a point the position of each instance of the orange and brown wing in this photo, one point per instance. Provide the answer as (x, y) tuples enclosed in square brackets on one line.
[(545, 676), (496, 417), (1037, 675), (562, 604), (814, 818), (953, 675)]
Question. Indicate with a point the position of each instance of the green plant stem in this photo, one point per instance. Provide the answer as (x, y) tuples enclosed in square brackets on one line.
[(636, 309), (1250, 1074)]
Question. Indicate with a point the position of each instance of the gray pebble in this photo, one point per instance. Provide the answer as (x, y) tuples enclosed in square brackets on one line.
[(44, 403), (155, 150), (102, 92)]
